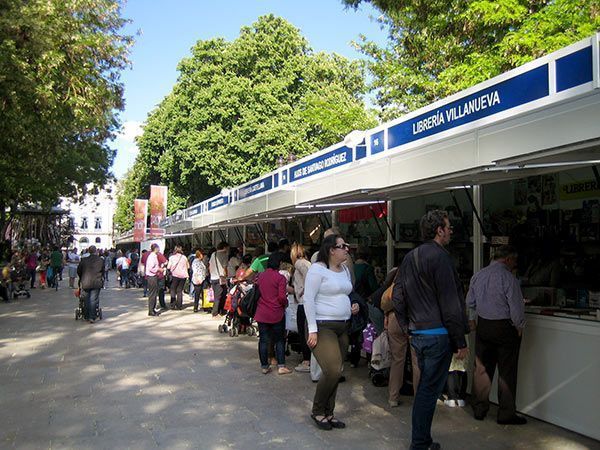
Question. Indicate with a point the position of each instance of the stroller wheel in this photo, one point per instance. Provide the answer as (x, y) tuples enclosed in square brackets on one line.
[(77, 314), (225, 328), (100, 313), (250, 331), (28, 295), (220, 327), (235, 332), (231, 333)]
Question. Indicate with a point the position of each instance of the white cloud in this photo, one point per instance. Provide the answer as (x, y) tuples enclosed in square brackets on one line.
[(130, 130)]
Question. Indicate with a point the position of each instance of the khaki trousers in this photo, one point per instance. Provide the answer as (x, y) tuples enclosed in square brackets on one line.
[(399, 344)]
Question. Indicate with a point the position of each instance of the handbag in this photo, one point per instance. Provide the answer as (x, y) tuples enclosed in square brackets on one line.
[(291, 315)]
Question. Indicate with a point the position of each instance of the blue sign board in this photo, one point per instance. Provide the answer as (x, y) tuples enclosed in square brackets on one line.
[(574, 69), (518, 90), (218, 202), (330, 160), (255, 188), (194, 210), (377, 143)]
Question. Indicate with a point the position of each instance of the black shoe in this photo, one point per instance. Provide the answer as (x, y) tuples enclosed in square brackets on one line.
[(336, 423), (342, 379), (479, 416), (323, 424), (195, 309), (154, 314), (435, 446), (515, 420)]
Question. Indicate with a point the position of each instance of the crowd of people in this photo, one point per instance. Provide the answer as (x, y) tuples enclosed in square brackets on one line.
[(343, 311)]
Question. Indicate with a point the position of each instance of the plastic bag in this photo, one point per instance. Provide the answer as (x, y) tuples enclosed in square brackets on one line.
[(291, 314)]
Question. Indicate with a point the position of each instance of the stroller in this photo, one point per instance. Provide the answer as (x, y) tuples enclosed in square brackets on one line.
[(18, 283), (235, 322), (80, 312)]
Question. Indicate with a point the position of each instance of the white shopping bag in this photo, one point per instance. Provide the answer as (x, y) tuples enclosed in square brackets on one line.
[(291, 314)]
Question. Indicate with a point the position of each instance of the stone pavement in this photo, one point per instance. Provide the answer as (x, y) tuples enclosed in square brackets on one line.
[(139, 382)]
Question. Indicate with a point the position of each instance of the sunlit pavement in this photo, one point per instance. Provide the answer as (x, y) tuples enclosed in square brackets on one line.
[(133, 381)]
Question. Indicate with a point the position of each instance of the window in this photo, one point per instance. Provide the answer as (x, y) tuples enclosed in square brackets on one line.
[(84, 223), (84, 240), (98, 223), (98, 240)]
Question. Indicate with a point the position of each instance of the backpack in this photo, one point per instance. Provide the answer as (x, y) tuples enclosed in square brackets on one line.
[(249, 302)]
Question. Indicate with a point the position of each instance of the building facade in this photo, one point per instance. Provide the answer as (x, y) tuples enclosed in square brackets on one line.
[(91, 220)]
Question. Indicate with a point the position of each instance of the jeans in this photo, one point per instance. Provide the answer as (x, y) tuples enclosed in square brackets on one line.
[(92, 302), (124, 278), (31, 274), (434, 356), (274, 332), (198, 291)]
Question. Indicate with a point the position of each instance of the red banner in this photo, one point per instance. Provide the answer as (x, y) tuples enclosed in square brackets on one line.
[(140, 211), (158, 209)]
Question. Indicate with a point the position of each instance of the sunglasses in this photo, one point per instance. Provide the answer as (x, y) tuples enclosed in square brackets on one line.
[(343, 246)]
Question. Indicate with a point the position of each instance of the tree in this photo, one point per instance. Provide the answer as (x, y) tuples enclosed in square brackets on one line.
[(437, 48), (60, 62), (239, 106)]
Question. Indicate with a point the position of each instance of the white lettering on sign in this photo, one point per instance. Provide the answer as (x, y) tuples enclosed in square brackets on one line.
[(218, 202), (244, 192), (317, 166), (457, 112)]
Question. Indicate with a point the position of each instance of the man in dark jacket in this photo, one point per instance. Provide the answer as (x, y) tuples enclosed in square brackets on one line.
[(91, 280), (428, 298)]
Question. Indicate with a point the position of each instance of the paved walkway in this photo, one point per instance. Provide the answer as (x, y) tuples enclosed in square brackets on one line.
[(139, 382)]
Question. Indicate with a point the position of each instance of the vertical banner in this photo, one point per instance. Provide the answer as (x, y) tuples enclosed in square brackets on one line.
[(140, 211), (158, 209)]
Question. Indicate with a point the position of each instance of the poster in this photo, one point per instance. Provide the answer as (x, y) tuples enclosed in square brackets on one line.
[(549, 183), (140, 211), (158, 209)]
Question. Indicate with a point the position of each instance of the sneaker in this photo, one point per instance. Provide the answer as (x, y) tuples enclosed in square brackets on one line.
[(302, 368), (461, 403), (451, 403)]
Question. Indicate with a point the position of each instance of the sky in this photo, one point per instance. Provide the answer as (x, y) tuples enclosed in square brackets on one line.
[(166, 30)]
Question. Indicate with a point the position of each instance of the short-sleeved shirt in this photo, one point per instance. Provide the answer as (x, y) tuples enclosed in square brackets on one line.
[(56, 259)]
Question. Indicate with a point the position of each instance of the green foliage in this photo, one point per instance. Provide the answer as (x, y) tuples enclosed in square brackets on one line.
[(239, 106), (437, 48), (59, 95)]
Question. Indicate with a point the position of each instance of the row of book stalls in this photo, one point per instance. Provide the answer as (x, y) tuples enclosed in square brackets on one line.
[(512, 160)]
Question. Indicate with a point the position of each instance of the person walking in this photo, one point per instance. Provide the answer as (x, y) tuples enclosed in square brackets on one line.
[(328, 310), (199, 274), (91, 280), (270, 314), (218, 276), (153, 270), (72, 263), (123, 264), (496, 300), (301, 266), (56, 263), (178, 265), (428, 298)]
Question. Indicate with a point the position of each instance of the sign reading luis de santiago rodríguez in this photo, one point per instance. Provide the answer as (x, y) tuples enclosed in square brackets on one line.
[(326, 161)]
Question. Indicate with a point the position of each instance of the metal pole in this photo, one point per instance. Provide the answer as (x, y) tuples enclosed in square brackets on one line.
[(244, 240), (390, 237), (477, 230), (335, 221)]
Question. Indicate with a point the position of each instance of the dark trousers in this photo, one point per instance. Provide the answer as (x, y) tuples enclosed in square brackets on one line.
[(161, 292), (124, 278), (275, 333), (198, 291), (220, 291), (31, 276), (177, 292), (434, 357), (330, 353), (92, 302), (456, 385), (152, 294), (300, 322), (497, 343)]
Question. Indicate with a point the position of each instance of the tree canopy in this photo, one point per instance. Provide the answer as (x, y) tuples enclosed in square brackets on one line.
[(60, 62), (437, 48), (239, 106)]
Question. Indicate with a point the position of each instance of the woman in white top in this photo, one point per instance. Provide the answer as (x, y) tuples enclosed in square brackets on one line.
[(301, 266), (328, 310), (199, 274)]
